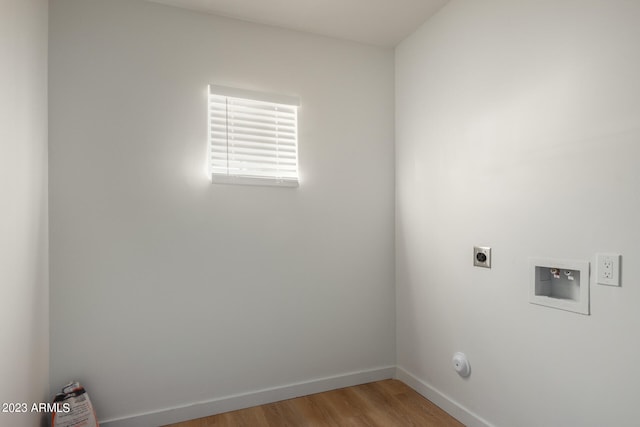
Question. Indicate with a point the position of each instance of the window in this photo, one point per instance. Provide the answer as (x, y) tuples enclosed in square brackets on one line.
[(253, 137)]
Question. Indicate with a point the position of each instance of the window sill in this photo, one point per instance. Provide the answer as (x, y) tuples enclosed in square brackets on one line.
[(249, 180)]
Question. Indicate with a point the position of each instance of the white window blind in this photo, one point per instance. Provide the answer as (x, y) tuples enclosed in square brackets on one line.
[(253, 137)]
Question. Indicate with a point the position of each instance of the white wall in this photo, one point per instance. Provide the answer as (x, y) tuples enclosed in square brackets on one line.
[(24, 314), (167, 290), (518, 127)]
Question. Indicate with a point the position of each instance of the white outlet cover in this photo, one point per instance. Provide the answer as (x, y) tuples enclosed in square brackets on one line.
[(608, 269)]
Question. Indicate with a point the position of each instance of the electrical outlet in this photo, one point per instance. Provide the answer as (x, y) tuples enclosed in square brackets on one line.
[(482, 256), (608, 269)]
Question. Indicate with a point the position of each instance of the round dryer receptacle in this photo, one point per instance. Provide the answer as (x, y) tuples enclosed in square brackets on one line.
[(461, 364)]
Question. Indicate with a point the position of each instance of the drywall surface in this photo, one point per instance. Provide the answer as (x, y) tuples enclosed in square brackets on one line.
[(167, 290), (518, 128), (24, 297)]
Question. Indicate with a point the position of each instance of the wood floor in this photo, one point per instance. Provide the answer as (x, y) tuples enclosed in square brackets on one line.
[(388, 403)]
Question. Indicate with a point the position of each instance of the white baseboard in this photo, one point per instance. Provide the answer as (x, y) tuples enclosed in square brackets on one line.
[(246, 400), (449, 405)]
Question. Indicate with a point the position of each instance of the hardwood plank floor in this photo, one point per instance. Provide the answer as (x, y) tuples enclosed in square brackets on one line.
[(388, 403)]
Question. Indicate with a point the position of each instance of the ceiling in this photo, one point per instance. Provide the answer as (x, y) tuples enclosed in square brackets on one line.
[(377, 22)]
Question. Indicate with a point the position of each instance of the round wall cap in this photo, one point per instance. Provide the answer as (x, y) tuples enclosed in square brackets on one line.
[(461, 364)]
